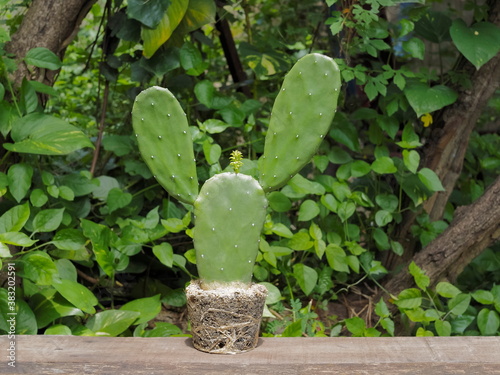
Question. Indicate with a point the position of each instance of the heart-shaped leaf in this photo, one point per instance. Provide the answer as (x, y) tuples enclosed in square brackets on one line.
[(478, 43), (424, 99)]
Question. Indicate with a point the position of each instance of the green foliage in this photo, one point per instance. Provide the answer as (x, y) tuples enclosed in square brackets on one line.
[(103, 253), (446, 310)]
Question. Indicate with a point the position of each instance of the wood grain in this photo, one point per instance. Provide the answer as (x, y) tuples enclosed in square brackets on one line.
[(400, 355)]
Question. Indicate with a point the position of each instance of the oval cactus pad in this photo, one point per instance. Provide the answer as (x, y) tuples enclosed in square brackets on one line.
[(300, 119), (165, 143), (229, 215)]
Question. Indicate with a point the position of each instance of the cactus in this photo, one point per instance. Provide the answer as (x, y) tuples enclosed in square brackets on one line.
[(301, 117), (165, 142), (230, 208), (230, 212)]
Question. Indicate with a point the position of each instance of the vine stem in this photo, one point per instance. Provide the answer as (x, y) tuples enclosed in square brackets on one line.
[(101, 128)]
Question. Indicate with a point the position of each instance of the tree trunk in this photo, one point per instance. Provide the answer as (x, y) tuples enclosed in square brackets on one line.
[(52, 24), (474, 228), (446, 154)]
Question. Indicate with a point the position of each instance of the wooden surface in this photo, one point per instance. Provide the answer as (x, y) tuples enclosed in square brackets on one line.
[(401, 355)]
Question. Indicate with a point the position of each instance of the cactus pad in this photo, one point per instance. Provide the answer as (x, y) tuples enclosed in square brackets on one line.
[(229, 215), (165, 143), (300, 119)]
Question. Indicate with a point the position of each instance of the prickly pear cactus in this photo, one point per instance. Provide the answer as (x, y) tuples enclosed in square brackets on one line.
[(165, 142), (230, 208), (230, 212), (300, 119)]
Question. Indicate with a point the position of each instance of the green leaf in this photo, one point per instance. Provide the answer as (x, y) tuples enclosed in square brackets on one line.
[(356, 326), (359, 168), (421, 279), (42, 57), (383, 165), (154, 38), (38, 198), (306, 276), (460, 323), (422, 332), (281, 230), (478, 43), (434, 26), (443, 327), (336, 258), (279, 202), (409, 299), (38, 267), (149, 12), (345, 133), (484, 297), (111, 322), (66, 269), (117, 199), (388, 202), (397, 248), (338, 156), (205, 92), (191, 60), (164, 253), (49, 305), (302, 185), (29, 99), (383, 217), (212, 152), (41, 134), (381, 309), (381, 239), (25, 319), (415, 47), (430, 179), (411, 159), (163, 329), (48, 220), (148, 308), (16, 238), (59, 330), (13, 220), (345, 210), (330, 202), (424, 99), (300, 241), (120, 145), (273, 293), (308, 210), (447, 290), (173, 225), (459, 304), (69, 239), (488, 322), (199, 13), (43, 88), (19, 178), (293, 329), (76, 294)]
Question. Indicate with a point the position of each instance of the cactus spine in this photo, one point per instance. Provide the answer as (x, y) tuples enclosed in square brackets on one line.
[(230, 208)]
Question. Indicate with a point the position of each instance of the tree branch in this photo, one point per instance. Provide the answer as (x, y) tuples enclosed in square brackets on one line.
[(474, 228)]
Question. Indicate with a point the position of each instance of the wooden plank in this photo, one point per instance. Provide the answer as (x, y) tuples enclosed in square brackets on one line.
[(128, 355)]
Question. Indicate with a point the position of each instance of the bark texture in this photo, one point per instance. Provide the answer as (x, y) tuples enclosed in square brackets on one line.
[(474, 228), (445, 155), (52, 24)]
